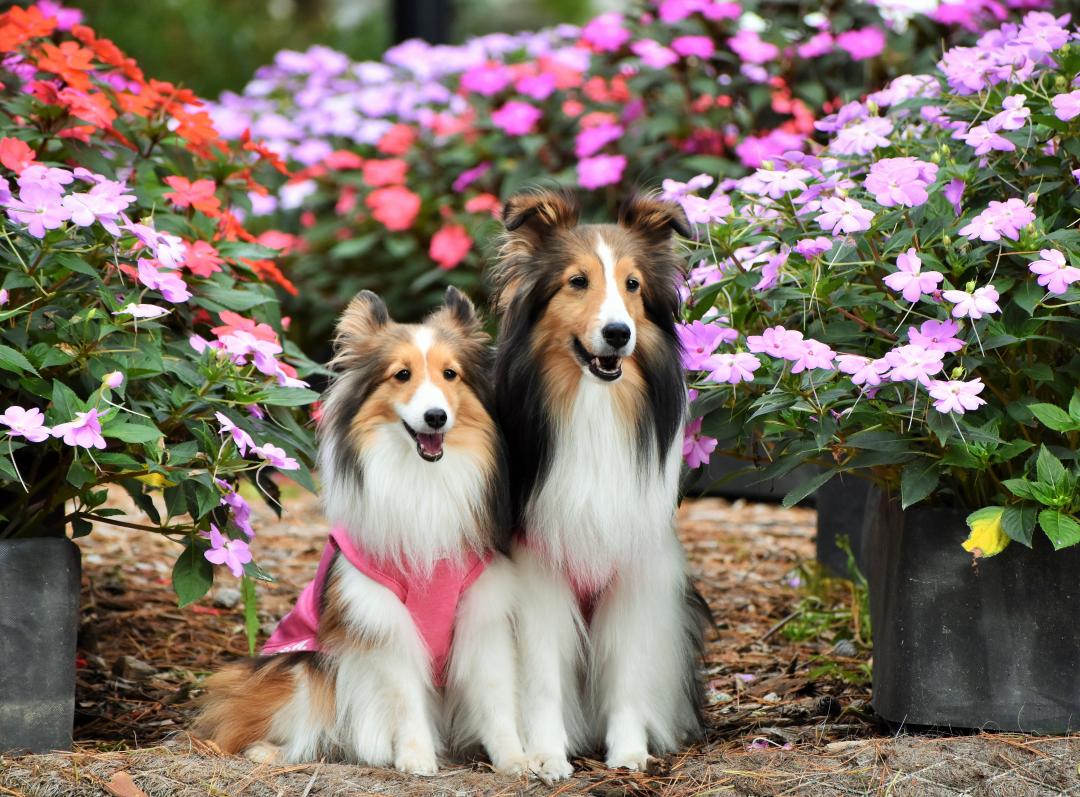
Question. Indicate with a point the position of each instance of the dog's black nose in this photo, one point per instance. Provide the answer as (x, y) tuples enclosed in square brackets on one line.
[(436, 419), (616, 335)]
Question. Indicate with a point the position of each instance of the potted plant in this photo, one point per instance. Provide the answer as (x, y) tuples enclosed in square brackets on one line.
[(140, 347), (903, 304)]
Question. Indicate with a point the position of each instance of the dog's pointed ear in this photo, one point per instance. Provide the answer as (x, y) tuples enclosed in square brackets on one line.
[(460, 310), (533, 215), (654, 218), (365, 315)]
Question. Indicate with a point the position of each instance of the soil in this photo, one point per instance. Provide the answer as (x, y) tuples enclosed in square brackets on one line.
[(786, 666)]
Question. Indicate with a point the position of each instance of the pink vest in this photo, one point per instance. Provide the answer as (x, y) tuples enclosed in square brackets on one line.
[(432, 602)]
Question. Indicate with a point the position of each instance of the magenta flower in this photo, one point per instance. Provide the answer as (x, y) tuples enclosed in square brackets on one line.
[(702, 210), (956, 396), (142, 311), (606, 33), (775, 183), (1067, 106), (241, 509), (982, 301), (29, 424), (731, 368), (696, 46), (913, 363), (812, 247), (817, 45), (1000, 219), (910, 279), (777, 342), (812, 354), (4, 297), (862, 370), (751, 49), (862, 137), (470, 176), (673, 190), (44, 179), (862, 44), (1013, 117), (699, 340), (276, 457), (516, 118), (845, 215), (167, 283), (241, 438), (600, 170), (84, 431), (537, 87), (900, 181), (954, 192), (113, 380), (234, 554), (486, 79), (939, 335), (593, 139), (697, 448), (983, 139), (770, 272), (653, 54), (1055, 274), (39, 210)]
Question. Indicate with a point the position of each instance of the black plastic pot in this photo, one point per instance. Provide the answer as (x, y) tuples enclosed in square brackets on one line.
[(993, 644), (39, 621), (841, 512), (717, 479)]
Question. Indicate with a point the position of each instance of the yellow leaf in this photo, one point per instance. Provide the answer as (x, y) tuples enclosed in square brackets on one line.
[(986, 537), (155, 480)]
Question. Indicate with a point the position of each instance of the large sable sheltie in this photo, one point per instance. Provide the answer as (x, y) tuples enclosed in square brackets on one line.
[(591, 399), (408, 595)]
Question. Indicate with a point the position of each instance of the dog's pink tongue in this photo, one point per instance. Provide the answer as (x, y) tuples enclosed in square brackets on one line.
[(430, 443)]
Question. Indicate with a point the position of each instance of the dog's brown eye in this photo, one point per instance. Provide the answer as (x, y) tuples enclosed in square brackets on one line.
[(579, 281), (449, 374), (632, 285), (403, 375)]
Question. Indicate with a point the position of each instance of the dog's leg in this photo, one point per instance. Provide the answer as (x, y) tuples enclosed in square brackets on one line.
[(643, 657), (482, 683), (549, 651)]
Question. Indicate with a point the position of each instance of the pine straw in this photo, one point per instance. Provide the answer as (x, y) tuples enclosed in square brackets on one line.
[(741, 555)]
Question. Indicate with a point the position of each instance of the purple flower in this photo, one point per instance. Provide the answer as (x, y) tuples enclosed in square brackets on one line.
[(938, 335), (241, 509), (699, 340), (653, 54), (29, 424), (600, 170), (863, 370), (44, 179), (701, 210), (1067, 106), (234, 554), (983, 139), (812, 247), (862, 137), (770, 272), (913, 363), (276, 457), (982, 301), (1054, 273), (167, 283), (39, 210), (1013, 117), (673, 190), (606, 33), (84, 431), (775, 183), (862, 44), (810, 355), (516, 118), (755, 150), (954, 192), (776, 342), (113, 380), (593, 139), (241, 438), (900, 181), (731, 368), (751, 49), (142, 311), (816, 46), (470, 176), (697, 448), (910, 279), (841, 216), (956, 396), (696, 46), (487, 79), (537, 87), (1000, 219)]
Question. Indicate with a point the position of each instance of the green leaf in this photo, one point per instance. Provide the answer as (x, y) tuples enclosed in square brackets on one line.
[(131, 432), (1054, 417), (192, 575), (80, 527), (78, 474), (1028, 295), (1074, 406), (917, 481), (73, 262), (1018, 522), (251, 612), (290, 396), (12, 360), (1049, 468), (807, 487), (1062, 530), (1021, 488), (231, 298), (64, 403)]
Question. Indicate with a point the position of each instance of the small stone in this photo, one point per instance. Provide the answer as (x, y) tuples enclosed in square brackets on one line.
[(772, 697), (720, 697), (226, 598), (267, 628), (132, 669), (845, 649)]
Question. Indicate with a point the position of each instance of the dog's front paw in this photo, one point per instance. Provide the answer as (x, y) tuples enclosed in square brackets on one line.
[(513, 763), (416, 759), (263, 753), (550, 767), (629, 759)]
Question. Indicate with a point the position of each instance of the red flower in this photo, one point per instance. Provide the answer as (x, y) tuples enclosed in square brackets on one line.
[(484, 203), (19, 25), (281, 241), (343, 159), (202, 259), (15, 154), (70, 61), (397, 140), (93, 108), (395, 207), (234, 322), (449, 246), (269, 272), (199, 195), (391, 171)]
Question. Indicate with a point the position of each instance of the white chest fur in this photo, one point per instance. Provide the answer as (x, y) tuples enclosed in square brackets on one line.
[(602, 503)]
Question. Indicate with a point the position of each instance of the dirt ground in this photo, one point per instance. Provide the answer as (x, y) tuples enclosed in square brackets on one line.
[(786, 667)]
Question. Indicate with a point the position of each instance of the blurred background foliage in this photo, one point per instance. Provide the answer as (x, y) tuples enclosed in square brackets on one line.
[(214, 45)]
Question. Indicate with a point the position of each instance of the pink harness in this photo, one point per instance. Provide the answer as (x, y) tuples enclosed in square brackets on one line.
[(432, 601)]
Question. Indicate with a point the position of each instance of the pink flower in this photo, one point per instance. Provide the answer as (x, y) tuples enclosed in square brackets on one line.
[(812, 247), (983, 301), (395, 207), (699, 340), (776, 342), (862, 137), (600, 170), (84, 431), (486, 79), (862, 44), (241, 438), (983, 139), (863, 370), (843, 216), (606, 33), (39, 210), (537, 87), (167, 283), (592, 139), (775, 183), (913, 363), (900, 181), (755, 150), (939, 335), (1067, 106), (696, 46), (470, 176), (653, 54), (1000, 219), (697, 448), (113, 380), (241, 509), (910, 279), (276, 457), (142, 311), (732, 368), (516, 118), (1013, 116), (3, 296), (956, 396), (234, 554), (44, 179), (810, 355), (449, 245), (954, 192), (1054, 273), (751, 49), (702, 210), (29, 424)]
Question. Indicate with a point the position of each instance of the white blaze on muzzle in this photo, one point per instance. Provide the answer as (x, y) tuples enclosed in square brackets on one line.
[(613, 313), (427, 414)]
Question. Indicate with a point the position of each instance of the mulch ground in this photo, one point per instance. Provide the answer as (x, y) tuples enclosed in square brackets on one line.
[(786, 665)]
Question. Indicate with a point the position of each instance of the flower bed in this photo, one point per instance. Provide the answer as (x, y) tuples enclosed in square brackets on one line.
[(399, 164), (904, 301), (141, 342)]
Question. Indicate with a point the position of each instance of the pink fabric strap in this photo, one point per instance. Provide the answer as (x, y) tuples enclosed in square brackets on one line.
[(432, 601)]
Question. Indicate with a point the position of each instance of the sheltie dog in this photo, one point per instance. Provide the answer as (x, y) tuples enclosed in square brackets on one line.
[(403, 640), (591, 399)]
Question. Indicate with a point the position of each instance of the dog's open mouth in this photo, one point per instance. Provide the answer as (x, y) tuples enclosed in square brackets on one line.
[(608, 368), (428, 446)]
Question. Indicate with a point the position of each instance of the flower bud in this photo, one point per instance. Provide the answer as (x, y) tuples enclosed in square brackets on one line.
[(113, 380)]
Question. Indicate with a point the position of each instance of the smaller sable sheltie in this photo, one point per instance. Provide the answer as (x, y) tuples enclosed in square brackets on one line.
[(402, 640)]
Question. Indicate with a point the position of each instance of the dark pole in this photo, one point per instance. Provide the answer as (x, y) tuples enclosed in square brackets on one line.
[(429, 20)]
